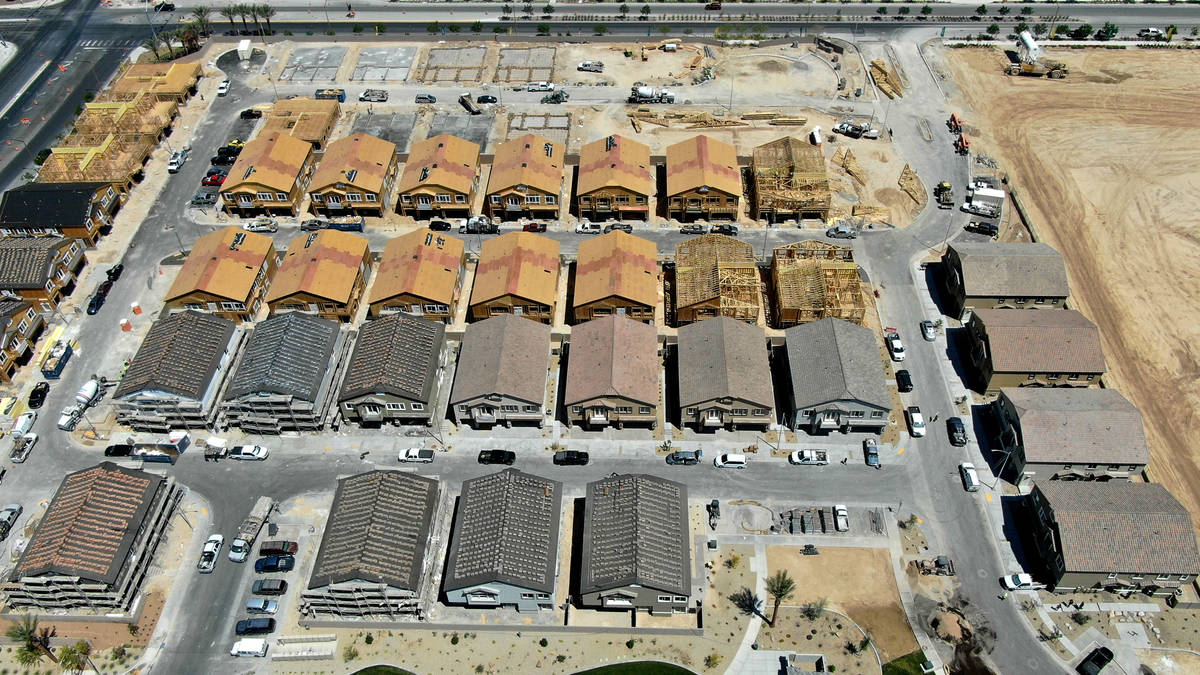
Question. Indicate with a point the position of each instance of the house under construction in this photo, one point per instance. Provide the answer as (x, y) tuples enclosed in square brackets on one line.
[(136, 113), (790, 181), (814, 280), (716, 275), (98, 158)]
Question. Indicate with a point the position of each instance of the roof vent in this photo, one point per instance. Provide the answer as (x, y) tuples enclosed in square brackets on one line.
[(351, 174), (424, 173), (549, 148), (248, 172), (610, 143), (237, 241), (428, 238), (311, 238)]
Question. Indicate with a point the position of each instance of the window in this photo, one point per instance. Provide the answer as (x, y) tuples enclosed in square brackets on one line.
[(315, 196), (509, 408), (533, 199), (1040, 301), (856, 413), (712, 200), (21, 327), (1139, 577), (543, 596), (371, 197), (442, 199), (233, 306), (1112, 576), (1091, 466), (760, 411), (1114, 467), (194, 305), (62, 274), (416, 407), (1073, 376), (806, 413), (407, 199), (1053, 377), (1067, 467), (1030, 376), (264, 196), (739, 411), (680, 598), (1161, 577), (1133, 467), (462, 408), (691, 411), (1183, 577), (621, 199), (354, 196), (644, 410), (639, 200), (550, 199), (527, 596), (877, 414), (460, 199), (495, 199), (281, 196), (578, 410), (395, 406), (624, 410), (675, 201), (664, 598), (585, 200), (601, 311), (531, 408), (1091, 377)]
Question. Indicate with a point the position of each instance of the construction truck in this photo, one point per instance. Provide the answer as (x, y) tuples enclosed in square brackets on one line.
[(591, 66), (646, 94), (251, 526), (955, 124), (985, 201), (962, 144), (1051, 69), (559, 96), (944, 194)]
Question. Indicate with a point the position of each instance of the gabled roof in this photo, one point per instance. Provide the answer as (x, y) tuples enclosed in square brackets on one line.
[(615, 161), (324, 263), (528, 160), (1031, 270), (1122, 526), (444, 160), (377, 531), (159, 78), (179, 355), (304, 118), (506, 355), (28, 262), (423, 263), (224, 263), (10, 308), (1078, 425), (523, 264), (613, 356), (1042, 341), (636, 531), (703, 162), (91, 524), (835, 360), (272, 160), (51, 205), (506, 531), (360, 160), (288, 354), (398, 355), (617, 264), (724, 358)]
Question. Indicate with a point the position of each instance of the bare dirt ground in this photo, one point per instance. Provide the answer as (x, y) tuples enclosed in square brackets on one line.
[(1106, 161)]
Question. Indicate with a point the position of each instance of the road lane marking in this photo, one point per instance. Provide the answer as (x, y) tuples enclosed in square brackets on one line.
[(988, 496), (21, 92), (900, 451)]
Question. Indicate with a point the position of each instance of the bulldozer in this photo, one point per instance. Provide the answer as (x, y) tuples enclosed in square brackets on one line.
[(944, 193), (559, 96), (1051, 69)]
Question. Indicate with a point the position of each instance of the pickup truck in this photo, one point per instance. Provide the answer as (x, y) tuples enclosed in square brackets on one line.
[(588, 228), (420, 455), (22, 446), (895, 346), (373, 95), (815, 457)]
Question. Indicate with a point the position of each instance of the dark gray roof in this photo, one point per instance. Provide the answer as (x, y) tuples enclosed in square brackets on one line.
[(288, 354), (180, 355), (1122, 526), (723, 357), (635, 531), (506, 531), (1079, 425), (377, 530), (27, 262), (396, 355), (506, 355), (52, 205), (835, 360), (1027, 270), (9, 308)]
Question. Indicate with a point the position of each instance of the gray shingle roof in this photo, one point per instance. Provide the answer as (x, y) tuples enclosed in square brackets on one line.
[(377, 530), (505, 355), (722, 357), (10, 308), (1032, 270), (27, 262), (835, 360), (1079, 426), (506, 531), (635, 531), (613, 356), (396, 355), (179, 355), (288, 354), (1122, 526), (1041, 341)]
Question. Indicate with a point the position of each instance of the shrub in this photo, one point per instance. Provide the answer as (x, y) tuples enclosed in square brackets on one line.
[(454, 639), (630, 643), (369, 638), (543, 642), (349, 653), (357, 28), (1080, 618), (560, 658)]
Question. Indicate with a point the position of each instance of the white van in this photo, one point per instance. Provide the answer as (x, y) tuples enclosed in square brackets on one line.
[(249, 647), (730, 461), (970, 479)]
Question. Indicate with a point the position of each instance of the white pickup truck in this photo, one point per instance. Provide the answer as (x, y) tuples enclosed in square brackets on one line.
[(814, 457), (419, 455)]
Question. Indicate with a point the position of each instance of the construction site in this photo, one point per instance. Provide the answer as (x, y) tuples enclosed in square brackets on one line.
[(814, 280), (790, 181), (716, 275)]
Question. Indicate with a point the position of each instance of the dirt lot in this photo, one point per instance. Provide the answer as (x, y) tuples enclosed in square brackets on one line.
[(1107, 163)]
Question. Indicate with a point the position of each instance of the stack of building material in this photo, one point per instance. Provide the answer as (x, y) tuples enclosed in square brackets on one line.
[(887, 82), (911, 184)]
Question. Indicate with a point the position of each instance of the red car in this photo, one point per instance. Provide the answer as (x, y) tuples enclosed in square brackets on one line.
[(535, 227), (713, 5), (215, 179)]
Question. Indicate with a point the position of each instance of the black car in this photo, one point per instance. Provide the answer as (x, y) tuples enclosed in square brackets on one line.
[(313, 224), (38, 396), (165, 7), (104, 287), (231, 150), (693, 229), (223, 160), (214, 171), (114, 272), (957, 432), (269, 587), (506, 457), (486, 98), (95, 303), (204, 199), (439, 226), (624, 227), (1095, 662), (571, 458), (251, 114), (118, 450), (274, 563), (254, 626), (989, 229), (725, 228), (904, 381), (685, 457)]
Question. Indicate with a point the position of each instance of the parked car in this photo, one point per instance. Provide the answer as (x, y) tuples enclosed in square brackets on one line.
[(841, 518), (426, 98), (278, 547), (213, 179), (895, 346), (871, 453), (957, 432), (841, 232), (23, 424), (571, 458), (588, 228), (916, 421), (969, 476), (214, 171), (1020, 582), (177, 160), (95, 303), (165, 7), (261, 606), (103, 288), (685, 457), (373, 95), (539, 86), (419, 455), (113, 273), (928, 331), (274, 563), (118, 450), (37, 397), (223, 160), (254, 626), (731, 460), (1095, 662), (725, 228), (439, 226), (223, 88), (713, 5), (261, 224), (209, 554), (624, 227), (506, 457), (8, 519), (534, 227), (236, 143), (693, 229), (203, 198), (904, 381), (313, 224), (22, 446), (250, 114), (269, 587), (251, 452), (232, 149), (486, 98), (979, 227)]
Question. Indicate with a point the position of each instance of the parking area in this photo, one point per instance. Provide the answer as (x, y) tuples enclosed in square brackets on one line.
[(384, 64), (311, 64), (526, 65), (454, 64), (474, 128)]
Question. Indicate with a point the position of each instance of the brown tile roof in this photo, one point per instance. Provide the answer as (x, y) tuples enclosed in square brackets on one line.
[(701, 161), (273, 161), (617, 264), (323, 263), (359, 159), (28, 262), (523, 264), (615, 161), (181, 354), (1079, 426), (423, 263), (444, 160), (613, 356), (303, 118), (527, 160), (91, 524), (1122, 526), (698, 261), (993, 269), (506, 355), (1042, 341), (224, 263)]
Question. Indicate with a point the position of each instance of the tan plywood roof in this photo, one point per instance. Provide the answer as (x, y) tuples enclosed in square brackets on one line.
[(323, 263), (272, 160), (617, 264), (528, 160), (698, 264), (518, 263), (159, 78), (359, 159), (615, 161), (423, 263), (444, 160), (224, 263), (305, 118), (700, 162)]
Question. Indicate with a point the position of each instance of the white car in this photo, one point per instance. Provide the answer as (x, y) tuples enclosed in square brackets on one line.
[(239, 550), (177, 160), (916, 421), (539, 86), (895, 346), (970, 478), (841, 518), (208, 554), (588, 228), (23, 424), (1020, 582), (261, 606), (928, 331), (252, 452), (224, 88), (261, 225)]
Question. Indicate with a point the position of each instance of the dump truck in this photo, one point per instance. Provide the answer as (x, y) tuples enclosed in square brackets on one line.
[(944, 194), (1051, 69), (468, 104), (251, 526), (646, 94), (56, 359)]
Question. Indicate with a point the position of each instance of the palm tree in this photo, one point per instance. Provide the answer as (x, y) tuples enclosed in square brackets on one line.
[(70, 660), (242, 11), (746, 601), (201, 16), (229, 12), (151, 43), (190, 37), (780, 587), (29, 656), (266, 12), (252, 10), (35, 641)]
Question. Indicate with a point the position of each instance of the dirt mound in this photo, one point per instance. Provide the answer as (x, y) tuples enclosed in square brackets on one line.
[(772, 66), (951, 627)]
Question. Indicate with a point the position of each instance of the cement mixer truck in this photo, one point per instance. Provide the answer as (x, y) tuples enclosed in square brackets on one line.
[(646, 94)]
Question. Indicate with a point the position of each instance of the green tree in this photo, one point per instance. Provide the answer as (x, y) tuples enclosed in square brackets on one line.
[(904, 10), (981, 10), (926, 10), (202, 17), (993, 29), (815, 609), (645, 10), (1021, 28), (548, 10), (1039, 29), (780, 586), (1026, 11), (1082, 32), (507, 9), (543, 29), (243, 11), (665, 30), (624, 9), (1004, 10), (266, 12), (881, 11), (477, 27), (35, 640), (433, 28), (152, 43), (70, 660), (29, 656), (599, 29), (229, 12)]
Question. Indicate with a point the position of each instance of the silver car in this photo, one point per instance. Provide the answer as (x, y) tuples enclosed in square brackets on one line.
[(8, 519)]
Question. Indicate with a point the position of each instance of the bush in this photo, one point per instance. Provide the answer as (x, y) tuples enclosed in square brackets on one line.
[(454, 639), (477, 27), (369, 638), (357, 28), (630, 643), (543, 642), (733, 561), (349, 653), (712, 660), (560, 658), (1080, 618), (813, 610)]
